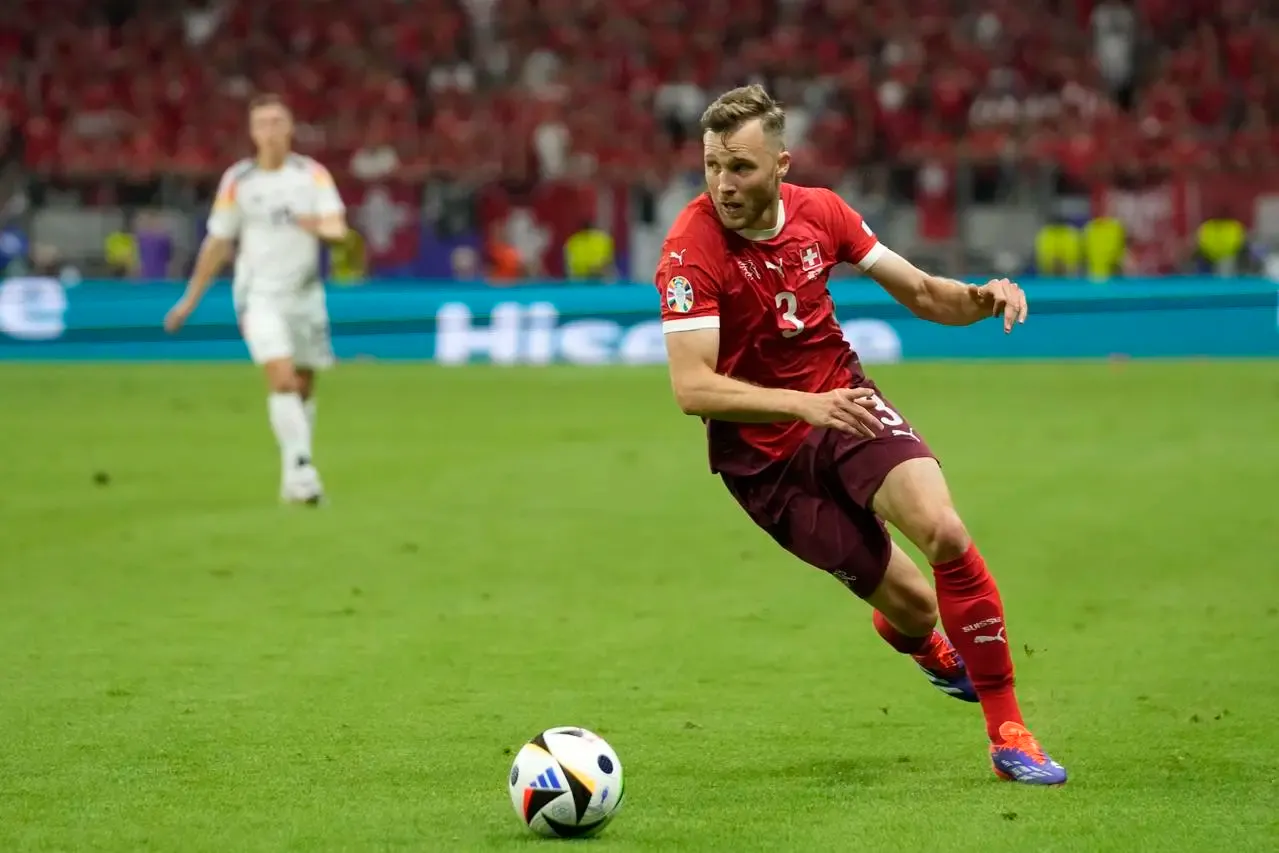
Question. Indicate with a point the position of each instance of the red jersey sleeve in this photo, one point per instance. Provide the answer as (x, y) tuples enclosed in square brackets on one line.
[(854, 241), (689, 281)]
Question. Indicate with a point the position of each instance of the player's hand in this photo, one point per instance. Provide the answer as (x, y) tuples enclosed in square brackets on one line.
[(845, 409), (307, 222), (1000, 296), (178, 314)]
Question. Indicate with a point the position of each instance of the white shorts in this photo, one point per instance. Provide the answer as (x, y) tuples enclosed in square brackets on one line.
[(293, 328)]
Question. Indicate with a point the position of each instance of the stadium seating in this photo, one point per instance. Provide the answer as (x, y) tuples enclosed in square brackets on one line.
[(435, 79)]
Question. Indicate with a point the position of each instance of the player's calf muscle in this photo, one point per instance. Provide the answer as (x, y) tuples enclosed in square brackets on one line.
[(905, 597), (305, 382)]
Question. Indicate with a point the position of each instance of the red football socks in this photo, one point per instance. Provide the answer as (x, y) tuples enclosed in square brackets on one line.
[(901, 642), (973, 616)]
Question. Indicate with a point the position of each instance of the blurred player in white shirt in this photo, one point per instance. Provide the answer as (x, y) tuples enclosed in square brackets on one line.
[(279, 206)]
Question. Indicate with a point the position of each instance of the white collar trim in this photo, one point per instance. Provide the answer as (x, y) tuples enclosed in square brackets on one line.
[(771, 232)]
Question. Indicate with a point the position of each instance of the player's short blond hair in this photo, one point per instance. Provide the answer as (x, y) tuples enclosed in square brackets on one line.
[(737, 106), (268, 99)]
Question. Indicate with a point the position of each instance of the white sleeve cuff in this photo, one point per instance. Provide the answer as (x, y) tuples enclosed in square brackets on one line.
[(689, 324), (219, 227), (870, 258)]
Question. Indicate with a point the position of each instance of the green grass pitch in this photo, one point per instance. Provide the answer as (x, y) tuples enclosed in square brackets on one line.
[(187, 666)]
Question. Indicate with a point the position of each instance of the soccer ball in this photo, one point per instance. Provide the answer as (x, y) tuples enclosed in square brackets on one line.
[(566, 783)]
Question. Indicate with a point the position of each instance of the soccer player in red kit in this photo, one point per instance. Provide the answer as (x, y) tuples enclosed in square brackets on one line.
[(808, 446)]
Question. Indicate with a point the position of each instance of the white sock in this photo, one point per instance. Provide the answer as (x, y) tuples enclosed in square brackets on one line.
[(288, 419), (309, 406)]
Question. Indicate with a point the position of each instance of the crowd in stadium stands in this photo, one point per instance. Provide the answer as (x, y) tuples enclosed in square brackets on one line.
[(382, 86), (611, 90)]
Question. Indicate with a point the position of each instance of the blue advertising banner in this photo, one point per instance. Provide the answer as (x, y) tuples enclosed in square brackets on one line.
[(618, 324)]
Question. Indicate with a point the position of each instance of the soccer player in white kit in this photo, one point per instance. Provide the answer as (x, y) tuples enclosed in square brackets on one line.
[(279, 205)]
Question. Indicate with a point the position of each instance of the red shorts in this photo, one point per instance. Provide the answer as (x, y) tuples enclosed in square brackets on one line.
[(817, 503)]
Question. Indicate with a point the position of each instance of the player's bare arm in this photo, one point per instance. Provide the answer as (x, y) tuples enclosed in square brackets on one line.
[(330, 227), (946, 301), (700, 390), (214, 253), (328, 220)]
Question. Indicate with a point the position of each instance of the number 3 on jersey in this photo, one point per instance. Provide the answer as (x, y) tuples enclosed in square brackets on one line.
[(787, 302), (887, 416)]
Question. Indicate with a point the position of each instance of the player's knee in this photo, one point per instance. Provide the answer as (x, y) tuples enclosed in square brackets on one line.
[(283, 385), (943, 536), (281, 378)]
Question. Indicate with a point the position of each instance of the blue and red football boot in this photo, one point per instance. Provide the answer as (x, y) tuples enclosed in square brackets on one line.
[(945, 668), (1018, 757)]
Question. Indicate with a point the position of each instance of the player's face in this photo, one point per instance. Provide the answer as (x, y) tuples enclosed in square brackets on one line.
[(743, 172), (271, 128)]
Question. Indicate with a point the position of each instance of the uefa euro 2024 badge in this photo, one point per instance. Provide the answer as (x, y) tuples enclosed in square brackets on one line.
[(679, 295)]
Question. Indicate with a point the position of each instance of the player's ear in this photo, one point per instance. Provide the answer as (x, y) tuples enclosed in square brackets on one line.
[(783, 164)]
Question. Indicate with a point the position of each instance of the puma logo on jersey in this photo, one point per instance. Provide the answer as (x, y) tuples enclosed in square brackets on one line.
[(678, 256), (776, 267)]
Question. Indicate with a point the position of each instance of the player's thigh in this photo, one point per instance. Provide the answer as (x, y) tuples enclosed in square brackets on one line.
[(848, 543), (857, 467), (915, 498)]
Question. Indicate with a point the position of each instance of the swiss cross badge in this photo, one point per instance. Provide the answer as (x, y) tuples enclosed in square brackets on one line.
[(810, 258)]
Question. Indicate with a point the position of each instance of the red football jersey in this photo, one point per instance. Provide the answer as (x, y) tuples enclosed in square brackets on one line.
[(766, 293)]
